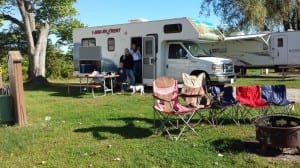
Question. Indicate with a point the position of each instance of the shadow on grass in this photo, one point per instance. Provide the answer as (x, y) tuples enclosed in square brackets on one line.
[(133, 119), (58, 90), (129, 131), (61, 90), (233, 145)]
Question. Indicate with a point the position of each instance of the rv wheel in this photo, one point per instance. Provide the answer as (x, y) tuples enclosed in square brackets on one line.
[(242, 71)]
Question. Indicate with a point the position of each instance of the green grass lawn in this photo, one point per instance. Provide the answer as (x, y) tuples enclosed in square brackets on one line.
[(116, 131), (254, 77)]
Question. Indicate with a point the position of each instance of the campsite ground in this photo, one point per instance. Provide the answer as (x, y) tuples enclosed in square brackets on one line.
[(116, 131)]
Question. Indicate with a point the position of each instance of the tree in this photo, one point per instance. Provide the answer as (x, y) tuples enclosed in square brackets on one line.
[(39, 18), (262, 14), (12, 39)]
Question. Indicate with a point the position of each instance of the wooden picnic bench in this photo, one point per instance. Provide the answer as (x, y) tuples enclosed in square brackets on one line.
[(83, 85)]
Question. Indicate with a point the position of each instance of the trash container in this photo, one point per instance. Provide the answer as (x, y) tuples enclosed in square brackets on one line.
[(85, 68), (6, 116)]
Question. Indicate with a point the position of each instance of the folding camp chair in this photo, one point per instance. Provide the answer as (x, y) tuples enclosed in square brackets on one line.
[(216, 107), (276, 96), (223, 98), (194, 92), (249, 97), (168, 110)]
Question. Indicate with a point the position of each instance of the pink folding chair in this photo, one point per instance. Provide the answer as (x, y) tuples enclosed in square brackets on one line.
[(167, 109)]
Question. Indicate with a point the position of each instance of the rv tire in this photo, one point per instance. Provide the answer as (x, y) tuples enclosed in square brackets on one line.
[(242, 71)]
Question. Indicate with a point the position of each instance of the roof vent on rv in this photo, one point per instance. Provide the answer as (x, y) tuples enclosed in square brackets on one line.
[(137, 20), (237, 34)]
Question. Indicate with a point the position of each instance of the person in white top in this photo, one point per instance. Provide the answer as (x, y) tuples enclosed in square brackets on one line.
[(137, 62), (95, 73)]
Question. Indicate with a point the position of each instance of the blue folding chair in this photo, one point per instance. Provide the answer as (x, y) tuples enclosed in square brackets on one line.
[(223, 99), (276, 95)]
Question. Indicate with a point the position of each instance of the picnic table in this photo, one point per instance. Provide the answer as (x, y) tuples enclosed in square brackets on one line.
[(86, 81)]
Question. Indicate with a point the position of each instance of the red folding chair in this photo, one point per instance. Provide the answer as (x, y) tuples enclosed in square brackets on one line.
[(249, 97), (171, 114)]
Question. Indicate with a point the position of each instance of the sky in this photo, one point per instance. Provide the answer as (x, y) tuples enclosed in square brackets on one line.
[(109, 12)]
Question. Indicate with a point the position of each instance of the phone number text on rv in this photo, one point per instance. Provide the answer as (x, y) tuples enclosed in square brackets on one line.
[(106, 31)]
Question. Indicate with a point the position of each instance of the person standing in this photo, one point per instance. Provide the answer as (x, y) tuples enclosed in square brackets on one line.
[(127, 61), (137, 62), (122, 77)]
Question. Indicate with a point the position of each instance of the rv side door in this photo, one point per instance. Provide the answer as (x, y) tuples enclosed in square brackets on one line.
[(280, 50), (148, 59)]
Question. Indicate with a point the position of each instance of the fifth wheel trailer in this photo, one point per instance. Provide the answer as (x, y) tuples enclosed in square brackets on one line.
[(267, 50), (169, 48)]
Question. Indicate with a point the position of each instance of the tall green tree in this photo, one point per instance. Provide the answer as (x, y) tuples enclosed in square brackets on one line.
[(37, 19), (262, 14)]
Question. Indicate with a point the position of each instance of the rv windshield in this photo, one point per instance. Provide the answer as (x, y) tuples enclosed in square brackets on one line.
[(197, 50)]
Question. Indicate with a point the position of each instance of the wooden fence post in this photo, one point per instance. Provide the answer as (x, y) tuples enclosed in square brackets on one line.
[(16, 86)]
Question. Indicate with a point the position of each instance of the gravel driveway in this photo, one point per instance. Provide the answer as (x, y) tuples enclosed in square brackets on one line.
[(293, 95)]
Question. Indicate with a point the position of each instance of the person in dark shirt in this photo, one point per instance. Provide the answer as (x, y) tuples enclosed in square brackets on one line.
[(127, 61), (122, 79)]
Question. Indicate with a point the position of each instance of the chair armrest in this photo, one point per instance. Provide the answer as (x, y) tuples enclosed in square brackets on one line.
[(158, 98), (190, 95)]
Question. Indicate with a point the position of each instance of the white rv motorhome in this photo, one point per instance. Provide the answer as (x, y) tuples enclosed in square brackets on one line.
[(169, 48), (267, 50)]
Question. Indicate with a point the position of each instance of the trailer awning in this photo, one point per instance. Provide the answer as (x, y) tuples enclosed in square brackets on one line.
[(260, 37)]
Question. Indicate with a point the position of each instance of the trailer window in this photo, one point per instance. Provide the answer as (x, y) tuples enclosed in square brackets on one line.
[(176, 51), (173, 28), (88, 42), (280, 42), (111, 44)]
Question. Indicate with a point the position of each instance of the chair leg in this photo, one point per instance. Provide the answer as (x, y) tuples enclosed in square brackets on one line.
[(214, 114), (289, 108), (211, 116), (187, 122), (166, 122), (201, 116), (221, 115)]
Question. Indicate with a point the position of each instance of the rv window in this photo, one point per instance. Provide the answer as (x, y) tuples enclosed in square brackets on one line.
[(88, 42), (173, 28), (176, 51), (111, 44), (198, 50), (148, 47), (280, 42)]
